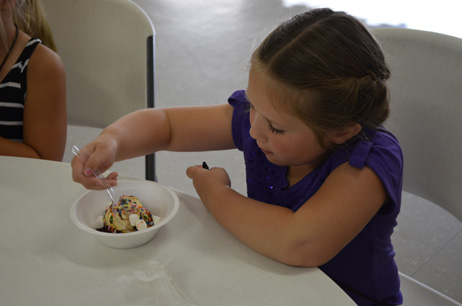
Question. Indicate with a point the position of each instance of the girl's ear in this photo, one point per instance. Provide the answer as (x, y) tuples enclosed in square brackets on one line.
[(344, 134)]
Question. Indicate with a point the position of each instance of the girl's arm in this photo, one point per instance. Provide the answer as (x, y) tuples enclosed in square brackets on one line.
[(313, 234), (199, 128), (142, 132), (45, 118)]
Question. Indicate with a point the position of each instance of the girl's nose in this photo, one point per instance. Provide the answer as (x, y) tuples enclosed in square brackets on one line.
[(256, 125)]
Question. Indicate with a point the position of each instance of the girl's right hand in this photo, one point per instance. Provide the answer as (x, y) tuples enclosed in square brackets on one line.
[(99, 154)]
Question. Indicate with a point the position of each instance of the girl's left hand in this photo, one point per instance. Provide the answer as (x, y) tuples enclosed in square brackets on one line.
[(206, 182)]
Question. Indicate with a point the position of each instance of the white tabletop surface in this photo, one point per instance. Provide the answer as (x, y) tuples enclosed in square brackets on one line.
[(45, 258)]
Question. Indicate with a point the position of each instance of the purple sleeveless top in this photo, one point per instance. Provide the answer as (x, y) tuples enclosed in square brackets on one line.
[(365, 269)]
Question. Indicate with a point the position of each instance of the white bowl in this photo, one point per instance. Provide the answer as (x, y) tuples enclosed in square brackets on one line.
[(160, 200)]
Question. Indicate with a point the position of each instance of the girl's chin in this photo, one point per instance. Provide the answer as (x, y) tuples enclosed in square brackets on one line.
[(270, 156), (272, 159)]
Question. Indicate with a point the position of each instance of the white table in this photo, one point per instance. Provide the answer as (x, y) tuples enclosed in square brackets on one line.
[(44, 258)]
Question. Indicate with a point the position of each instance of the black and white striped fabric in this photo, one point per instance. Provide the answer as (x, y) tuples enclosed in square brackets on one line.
[(13, 89)]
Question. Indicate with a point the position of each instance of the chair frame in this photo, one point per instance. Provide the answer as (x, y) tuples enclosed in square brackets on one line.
[(100, 43), (150, 159)]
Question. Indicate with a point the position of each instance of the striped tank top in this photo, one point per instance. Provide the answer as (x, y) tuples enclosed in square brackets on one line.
[(13, 89)]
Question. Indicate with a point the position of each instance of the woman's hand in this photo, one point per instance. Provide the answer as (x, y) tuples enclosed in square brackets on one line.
[(208, 182), (99, 155)]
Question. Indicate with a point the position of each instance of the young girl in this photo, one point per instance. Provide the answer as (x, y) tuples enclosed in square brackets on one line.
[(323, 177), (33, 118)]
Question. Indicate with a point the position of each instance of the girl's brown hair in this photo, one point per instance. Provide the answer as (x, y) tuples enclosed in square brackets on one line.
[(329, 70)]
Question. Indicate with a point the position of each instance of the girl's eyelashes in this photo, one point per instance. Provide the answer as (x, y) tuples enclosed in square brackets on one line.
[(250, 107), (275, 130)]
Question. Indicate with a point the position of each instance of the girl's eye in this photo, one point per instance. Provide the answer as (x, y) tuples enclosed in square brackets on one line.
[(250, 107), (274, 130)]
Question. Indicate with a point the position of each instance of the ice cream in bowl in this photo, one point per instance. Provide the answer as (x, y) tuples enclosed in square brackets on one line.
[(143, 208)]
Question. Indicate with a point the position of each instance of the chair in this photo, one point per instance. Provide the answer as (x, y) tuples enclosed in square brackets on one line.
[(426, 111), (107, 47)]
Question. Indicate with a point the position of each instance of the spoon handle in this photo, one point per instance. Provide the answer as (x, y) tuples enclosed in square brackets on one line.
[(97, 173)]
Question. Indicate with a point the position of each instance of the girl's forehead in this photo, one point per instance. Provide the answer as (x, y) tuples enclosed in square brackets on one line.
[(280, 100), (259, 91), (262, 88), (267, 102), (260, 84)]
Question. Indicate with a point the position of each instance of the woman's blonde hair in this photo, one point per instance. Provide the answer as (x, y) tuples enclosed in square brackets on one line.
[(327, 69), (30, 17)]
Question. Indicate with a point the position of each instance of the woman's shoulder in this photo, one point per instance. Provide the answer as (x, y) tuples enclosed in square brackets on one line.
[(44, 60), (43, 53)]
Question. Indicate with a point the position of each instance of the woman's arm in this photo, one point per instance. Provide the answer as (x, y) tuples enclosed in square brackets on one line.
[(312, 235), (45, 118), (142, 132)]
